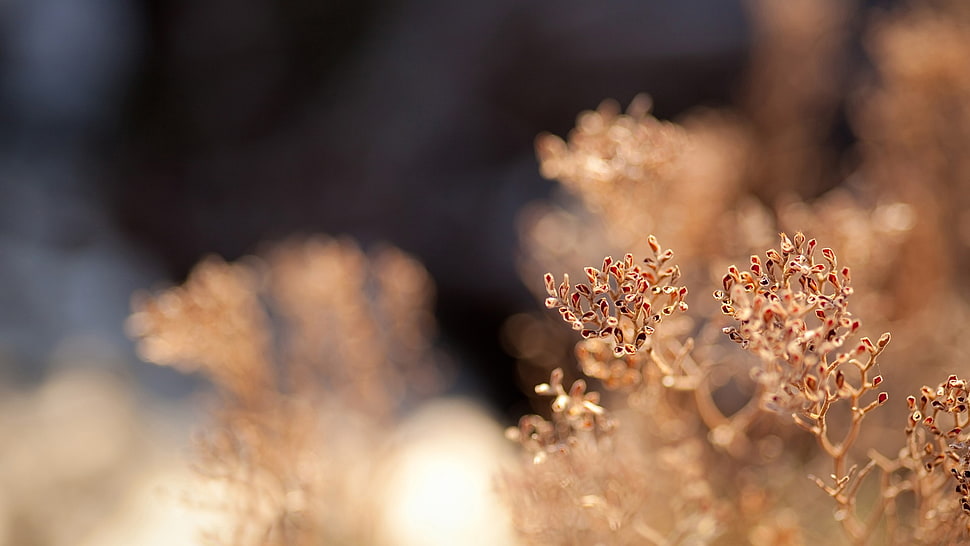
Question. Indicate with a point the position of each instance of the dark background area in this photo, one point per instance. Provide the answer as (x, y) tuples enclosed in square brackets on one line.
[(136, 137)]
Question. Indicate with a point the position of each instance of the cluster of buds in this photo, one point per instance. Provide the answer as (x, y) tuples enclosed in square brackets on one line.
[(936, 425), (960, 451), (623, 302), (792, 311), (576, 414)]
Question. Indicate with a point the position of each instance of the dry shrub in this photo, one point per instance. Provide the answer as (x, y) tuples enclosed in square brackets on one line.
[(717, 187), (716, 410), (311, 350)]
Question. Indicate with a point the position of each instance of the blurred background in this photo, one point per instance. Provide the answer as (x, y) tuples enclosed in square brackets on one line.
[(136, 137)]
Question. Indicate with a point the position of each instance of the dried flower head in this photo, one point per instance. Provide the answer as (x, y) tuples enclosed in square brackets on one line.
[(938, 453), (792, 311), (622, 302)]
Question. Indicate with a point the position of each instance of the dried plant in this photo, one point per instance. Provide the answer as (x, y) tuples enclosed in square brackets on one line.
[(310, 352), (615, 163), (603, 487), (790, 309), (892, 474), (668, 424), (937, 458)]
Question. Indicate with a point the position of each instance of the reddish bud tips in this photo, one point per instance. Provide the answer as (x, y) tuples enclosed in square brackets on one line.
[(564, 287), (578, 388), (883, 397), (811, 383), (786, 245), (550, 283), (877, 380)]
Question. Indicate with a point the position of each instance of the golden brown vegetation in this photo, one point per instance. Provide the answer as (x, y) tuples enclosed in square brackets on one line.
[(693, 442), (293, 445), (770, 414)]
